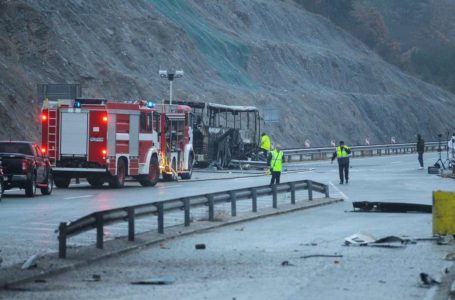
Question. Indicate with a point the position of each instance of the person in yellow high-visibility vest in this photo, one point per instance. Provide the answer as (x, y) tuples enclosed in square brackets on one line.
[(342, 154), (276, 160), (265, 144)]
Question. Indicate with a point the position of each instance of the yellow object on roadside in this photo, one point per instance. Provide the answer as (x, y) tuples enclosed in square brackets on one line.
[(268, 172), (443, 213)]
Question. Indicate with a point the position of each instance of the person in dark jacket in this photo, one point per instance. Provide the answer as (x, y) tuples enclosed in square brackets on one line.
[(342, 154), (420, 149)]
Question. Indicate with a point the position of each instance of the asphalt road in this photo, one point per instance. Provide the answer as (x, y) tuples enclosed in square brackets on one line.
[(245, 261)]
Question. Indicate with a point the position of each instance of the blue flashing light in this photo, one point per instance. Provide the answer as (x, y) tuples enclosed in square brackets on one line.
[(77, 104), (150, 104)]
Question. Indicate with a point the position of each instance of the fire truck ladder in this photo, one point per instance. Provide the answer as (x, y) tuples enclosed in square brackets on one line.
[(52, 135)]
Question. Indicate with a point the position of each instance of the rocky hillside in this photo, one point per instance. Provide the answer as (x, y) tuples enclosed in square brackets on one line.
[(325, 83)]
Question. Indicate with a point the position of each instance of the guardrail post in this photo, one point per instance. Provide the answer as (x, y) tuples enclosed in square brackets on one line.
[(130, 223), (62, 240), (160, 209), (233, 203), (292, 193), (326, 191), (275, 201), (254, 202), (186, 203), (211, 208), (310, 190), (99, 230)]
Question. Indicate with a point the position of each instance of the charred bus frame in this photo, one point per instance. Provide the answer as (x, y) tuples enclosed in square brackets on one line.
[(224, 132)]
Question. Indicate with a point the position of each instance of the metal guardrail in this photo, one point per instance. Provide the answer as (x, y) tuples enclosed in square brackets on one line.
[(129, 213), (356, 151)]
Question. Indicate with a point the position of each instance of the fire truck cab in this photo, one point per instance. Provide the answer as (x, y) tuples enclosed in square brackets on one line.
[(107, 141)]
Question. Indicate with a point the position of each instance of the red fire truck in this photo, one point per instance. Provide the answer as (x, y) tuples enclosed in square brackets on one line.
[(107, 141)]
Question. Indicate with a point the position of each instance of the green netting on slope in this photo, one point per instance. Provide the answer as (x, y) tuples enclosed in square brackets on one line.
[(225, 54)]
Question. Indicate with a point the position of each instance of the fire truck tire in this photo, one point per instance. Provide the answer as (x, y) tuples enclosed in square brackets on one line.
[(30, 187), (95, 181), (118, 181), (187, 175), (170, 177), (50, 186), (154, 171), (62, 182)]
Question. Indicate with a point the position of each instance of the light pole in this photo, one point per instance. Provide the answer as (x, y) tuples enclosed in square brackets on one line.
[(171, 77)]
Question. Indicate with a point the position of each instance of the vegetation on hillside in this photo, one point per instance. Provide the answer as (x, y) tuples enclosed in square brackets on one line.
[(414, 35)]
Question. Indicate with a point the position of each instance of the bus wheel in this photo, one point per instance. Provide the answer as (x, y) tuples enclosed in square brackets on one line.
[(189, 172)]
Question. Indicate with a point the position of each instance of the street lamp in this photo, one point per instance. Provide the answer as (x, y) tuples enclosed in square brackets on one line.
[(171, 77)]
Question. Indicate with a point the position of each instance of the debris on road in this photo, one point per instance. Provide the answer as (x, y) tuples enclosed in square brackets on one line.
[(286, 263), (163, 246), (40, 280), (427, 280), (444, 239), (95, 277), (30, 262), (200, 246), (388, 207), (160, 280), (321, 255), (366, 239), (450, 256)]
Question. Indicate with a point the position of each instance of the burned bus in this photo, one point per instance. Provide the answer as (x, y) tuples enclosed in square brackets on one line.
[(222, 133)]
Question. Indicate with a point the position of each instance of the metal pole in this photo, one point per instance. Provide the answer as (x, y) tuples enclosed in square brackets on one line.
[(131, 224), (310, 190), (211, 208), (99, 231), (170, 91), (186, 203), (255, 200), (292, 193), (275, 200), (160, 217), (233, 203), (62, 240)]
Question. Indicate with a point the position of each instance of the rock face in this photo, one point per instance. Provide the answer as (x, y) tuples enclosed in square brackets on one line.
[(324, 83)]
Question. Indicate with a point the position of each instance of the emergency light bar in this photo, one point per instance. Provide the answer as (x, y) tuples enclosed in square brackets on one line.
[(79, 101)]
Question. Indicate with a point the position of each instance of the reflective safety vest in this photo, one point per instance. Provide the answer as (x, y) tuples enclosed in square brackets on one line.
[(342, 152), (265, 142), (276, 164)]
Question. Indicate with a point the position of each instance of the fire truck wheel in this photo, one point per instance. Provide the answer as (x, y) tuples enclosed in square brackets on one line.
[(119, 180), (95, 181), (154, 171), (30, 187), (62, 182), (188, 173), (50, 186)]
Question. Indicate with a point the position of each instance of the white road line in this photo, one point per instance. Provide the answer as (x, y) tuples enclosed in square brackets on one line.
[(31, 228), (77, 197), (338, 191), (395, 162)]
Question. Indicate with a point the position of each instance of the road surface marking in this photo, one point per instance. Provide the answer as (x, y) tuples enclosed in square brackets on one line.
[(31, 228), (338, 191), (395, 162), (77, 197)]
